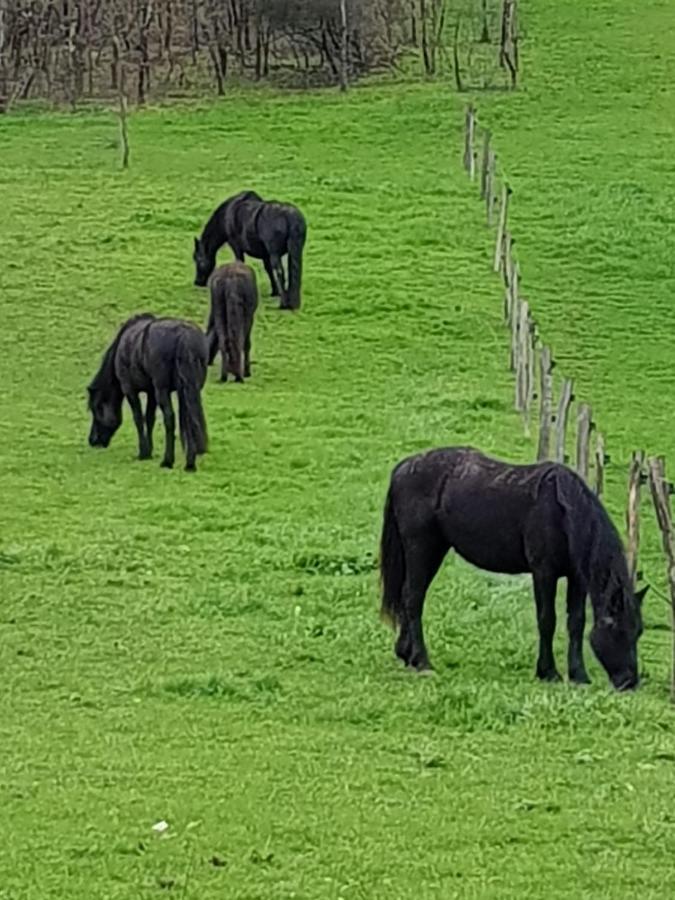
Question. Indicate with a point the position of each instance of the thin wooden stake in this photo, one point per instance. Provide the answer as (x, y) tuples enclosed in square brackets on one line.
[(469, 156), (561, 419), (515, 343), (523, 337), (490, 188), (531, 367), (485, 165), (124, 131), (507, 260), (635, 480), (501, 227), (545, 403), (600, 460), (584, 428), (660, 495)]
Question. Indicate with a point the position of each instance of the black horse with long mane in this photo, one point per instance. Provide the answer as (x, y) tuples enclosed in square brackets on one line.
[(540, 519), (155, 357), (265, 230)]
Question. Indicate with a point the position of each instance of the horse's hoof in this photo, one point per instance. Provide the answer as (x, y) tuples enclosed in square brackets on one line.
[(427, 672), (192, 468), (553, 675), (166, 464), (223, 379), (579, 678)]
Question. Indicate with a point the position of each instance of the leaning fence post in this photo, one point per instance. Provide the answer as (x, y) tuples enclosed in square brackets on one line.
[(584, 427), (469, 158), (661, 497), (545, 403), (561, 419), (600, 460), (485, 165), (501, 227), (635, 481), (531, 367)]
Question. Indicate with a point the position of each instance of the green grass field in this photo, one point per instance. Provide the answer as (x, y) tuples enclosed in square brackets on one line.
[(206, 649)]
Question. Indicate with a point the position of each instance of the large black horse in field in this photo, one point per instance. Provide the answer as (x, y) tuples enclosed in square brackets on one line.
[(153, 357), (540, 519), (234, 300), (265, 230)]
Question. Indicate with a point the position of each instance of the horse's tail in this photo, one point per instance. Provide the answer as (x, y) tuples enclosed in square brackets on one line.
[(297, 234), (191, 363), (235, 333), (392, 564)]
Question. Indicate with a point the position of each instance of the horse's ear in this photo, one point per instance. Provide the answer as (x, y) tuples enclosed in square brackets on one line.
[(640, 595)]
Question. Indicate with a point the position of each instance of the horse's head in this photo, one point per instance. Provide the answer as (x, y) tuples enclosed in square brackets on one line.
[(106, 414), (205, 263), (614, 640)]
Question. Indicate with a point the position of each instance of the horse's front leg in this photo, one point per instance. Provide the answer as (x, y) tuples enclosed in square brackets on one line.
[(150, 411), (544, 595), (576, 620), (237, 250), (164, 402), (139, 421), (211, 338), (270, 275)]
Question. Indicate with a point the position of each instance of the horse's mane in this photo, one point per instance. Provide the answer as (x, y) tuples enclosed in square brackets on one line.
[(214, 230), (595, 546), (105, 378)]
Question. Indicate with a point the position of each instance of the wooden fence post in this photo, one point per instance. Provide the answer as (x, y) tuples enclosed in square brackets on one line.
[(522, 350), (545, 403), (515, 326), (501, 227), (561, 419), (531, 368), (507, 258), (661, 497), (584, 428), (485, 165), (469, 157), (635, 481), (600, 460), (490, 187)]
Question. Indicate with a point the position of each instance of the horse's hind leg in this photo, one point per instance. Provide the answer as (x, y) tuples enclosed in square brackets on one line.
[(278, 269), (139, 421), (576, 620), (270, 275), (544, 595), (423, 557), (164, 401), (150, 410), (247, 355)]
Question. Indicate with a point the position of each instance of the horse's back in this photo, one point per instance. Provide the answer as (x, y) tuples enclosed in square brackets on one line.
[(498, 516), (149, 349), (235, 282)]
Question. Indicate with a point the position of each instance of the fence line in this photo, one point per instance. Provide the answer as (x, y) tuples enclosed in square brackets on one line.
[(524, 361)]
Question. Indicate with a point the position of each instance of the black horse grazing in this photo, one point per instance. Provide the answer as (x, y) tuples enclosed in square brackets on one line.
[(155, 357), (234, 300), (265, 230), (539, 518)]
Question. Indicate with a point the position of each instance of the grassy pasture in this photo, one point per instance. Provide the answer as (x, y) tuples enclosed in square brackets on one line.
[(205, 649)]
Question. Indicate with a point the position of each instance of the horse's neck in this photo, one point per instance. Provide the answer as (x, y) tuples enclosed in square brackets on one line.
[(608, 577), (214, 236)]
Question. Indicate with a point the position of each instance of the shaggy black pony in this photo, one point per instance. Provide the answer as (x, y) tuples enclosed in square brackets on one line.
[(538, 518), (265, 230), (234, 300), (155, 357)]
